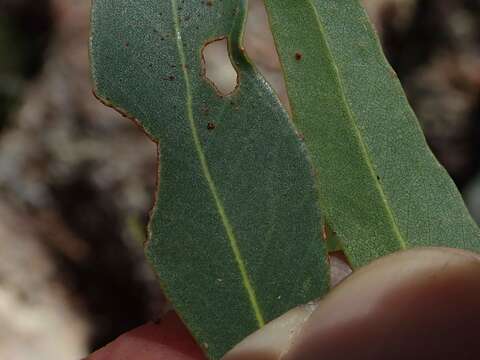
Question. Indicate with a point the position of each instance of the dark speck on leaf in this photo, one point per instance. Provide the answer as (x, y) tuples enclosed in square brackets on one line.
[(211, 126), (298, 56)]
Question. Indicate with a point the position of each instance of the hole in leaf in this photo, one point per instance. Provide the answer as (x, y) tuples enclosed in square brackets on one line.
[(218, 68)]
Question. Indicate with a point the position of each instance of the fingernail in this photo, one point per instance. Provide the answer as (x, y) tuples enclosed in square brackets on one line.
[(273, 340)]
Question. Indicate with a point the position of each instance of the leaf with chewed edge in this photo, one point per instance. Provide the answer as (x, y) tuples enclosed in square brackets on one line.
[(235, 234)]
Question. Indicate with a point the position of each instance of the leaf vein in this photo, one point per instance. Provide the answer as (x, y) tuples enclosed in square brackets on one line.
[(351, 116), (211, 184)]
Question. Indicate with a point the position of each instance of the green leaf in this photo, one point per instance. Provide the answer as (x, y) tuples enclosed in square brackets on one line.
[(380, 185), (235, 234), (334, 243)]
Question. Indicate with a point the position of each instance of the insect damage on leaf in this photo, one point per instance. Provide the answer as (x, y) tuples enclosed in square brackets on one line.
[(236, 199), (217, 68)]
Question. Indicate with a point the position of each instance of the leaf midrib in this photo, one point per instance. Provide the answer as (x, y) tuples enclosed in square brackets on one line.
[(358, 135), (247, 284)]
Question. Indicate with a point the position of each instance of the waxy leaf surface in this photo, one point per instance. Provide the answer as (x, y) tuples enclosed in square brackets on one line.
[(235, 235), (381, 188)]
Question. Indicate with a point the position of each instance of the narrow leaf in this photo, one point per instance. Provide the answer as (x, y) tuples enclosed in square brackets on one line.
[(334, 243), (380, 186), (235, 234)]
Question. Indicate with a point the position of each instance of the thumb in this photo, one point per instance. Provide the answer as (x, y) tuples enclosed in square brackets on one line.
[(417, 304)]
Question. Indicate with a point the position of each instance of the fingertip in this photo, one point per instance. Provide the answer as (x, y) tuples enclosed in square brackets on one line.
[(415, 304), (169, 339)]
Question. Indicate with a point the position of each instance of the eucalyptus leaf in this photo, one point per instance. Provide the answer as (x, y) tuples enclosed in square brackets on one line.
[(334, 243), (381, 188), (235, 234)]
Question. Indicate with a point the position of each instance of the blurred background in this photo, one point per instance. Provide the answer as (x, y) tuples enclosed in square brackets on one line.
[(76, 179)]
